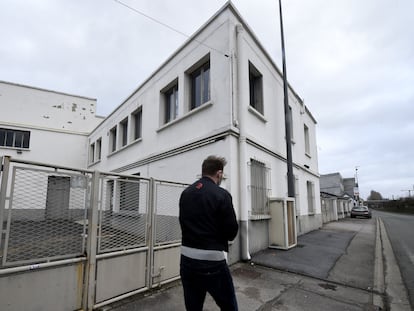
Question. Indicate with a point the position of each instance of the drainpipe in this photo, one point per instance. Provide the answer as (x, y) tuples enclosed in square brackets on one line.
[(242, 145)]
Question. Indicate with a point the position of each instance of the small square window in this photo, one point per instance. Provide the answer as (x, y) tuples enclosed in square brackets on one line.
[(259, 188), (92, 153), (14, 138), (255, 88), (310, 188), (136, 118), (112, 139), (307, 142), (98, 149), (200, 85), (171, 103), (124, 131)]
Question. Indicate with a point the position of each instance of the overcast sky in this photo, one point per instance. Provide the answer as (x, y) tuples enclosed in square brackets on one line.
[(352, 61)]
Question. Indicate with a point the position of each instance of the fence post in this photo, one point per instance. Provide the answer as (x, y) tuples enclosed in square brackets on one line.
[(151, 230), (5, 164), (91, 249)]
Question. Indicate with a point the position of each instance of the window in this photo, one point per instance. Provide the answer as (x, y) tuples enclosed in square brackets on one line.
[(92, 153), (200, 85), (124, 131), (137, 123), (297, 196), (14, 138), (171, 103), (95, 151), (112, 139), (311, 197), (256, 88), (307, 144), (259, 188), (98, 149)]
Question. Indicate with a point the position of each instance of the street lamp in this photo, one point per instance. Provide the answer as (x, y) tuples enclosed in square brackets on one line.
[(289, 162), (356, 187)]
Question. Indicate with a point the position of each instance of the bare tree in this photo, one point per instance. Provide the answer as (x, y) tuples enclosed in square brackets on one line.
[(375, 195)]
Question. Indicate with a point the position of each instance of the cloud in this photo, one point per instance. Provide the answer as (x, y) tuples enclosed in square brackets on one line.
[(352, 61)]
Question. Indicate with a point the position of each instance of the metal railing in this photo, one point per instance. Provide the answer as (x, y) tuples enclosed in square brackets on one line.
[(52, 216)]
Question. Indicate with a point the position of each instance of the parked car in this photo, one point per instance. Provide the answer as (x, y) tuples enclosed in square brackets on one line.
[(361, 211)]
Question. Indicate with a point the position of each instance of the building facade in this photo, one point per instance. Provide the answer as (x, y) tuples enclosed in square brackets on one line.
[(220, 93), (45, 126), (337, 197)]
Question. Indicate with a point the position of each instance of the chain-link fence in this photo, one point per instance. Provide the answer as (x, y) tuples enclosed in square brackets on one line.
[(46, 215), (52, 218), (123, 213), (167, 226)]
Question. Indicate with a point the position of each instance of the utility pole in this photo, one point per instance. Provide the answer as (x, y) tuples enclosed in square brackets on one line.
[(409, 192), (289, 162), (356, 187)]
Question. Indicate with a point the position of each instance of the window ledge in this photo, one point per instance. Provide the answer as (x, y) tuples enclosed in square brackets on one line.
[(124, 147), (259, 217), (94, 163), (14, 148), (188, 114), (257, 114)]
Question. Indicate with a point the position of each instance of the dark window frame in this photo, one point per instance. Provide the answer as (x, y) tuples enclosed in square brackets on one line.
[(306, 138), (200, 84), (92, 153), (171, 103), (12, 138), (259, 188), (98, 146), (123, 125), (113, 139), (137, 123), (256, 89)]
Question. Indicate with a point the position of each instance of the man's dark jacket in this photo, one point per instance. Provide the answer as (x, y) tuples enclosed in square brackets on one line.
[(207, 216)]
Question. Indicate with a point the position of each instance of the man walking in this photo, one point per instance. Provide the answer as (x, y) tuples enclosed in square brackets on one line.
[(208, 222)]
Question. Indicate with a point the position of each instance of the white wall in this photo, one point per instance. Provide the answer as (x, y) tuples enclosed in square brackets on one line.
[(58, 124), (217, 116), (210, 118), (37, 107)]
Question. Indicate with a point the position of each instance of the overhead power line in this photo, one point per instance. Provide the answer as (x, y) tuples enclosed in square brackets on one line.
[(167, 26)]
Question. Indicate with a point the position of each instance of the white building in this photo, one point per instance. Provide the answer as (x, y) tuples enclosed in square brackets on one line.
[(220, 93), (45, 126)]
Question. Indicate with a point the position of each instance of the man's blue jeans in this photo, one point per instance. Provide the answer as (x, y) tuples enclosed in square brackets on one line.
[(201, 276)]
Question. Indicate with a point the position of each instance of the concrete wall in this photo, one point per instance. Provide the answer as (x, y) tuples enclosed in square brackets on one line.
[(332, 183), (310, 223), (58, 124), (349, 185), (41, 108), (52, 147)]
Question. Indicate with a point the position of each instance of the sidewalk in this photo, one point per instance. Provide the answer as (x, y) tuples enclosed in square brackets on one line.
[(330, 269)]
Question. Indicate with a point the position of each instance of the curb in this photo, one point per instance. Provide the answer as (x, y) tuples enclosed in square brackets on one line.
[(379, 281), (394, 289)]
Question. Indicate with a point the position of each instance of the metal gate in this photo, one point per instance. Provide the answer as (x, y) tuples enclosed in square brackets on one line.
[(81, 239)]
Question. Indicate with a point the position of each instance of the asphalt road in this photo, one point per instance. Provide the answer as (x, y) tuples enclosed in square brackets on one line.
[(400, 232)]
